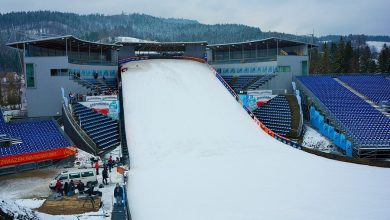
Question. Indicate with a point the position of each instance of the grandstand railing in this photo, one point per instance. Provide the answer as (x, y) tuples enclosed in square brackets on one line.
[(83, 139), (91, 62), (247, 60)]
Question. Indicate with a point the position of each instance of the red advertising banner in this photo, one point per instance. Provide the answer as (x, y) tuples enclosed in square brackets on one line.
[(54, 154)]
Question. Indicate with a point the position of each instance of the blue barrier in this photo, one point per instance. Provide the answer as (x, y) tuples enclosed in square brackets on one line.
[(318, 122)]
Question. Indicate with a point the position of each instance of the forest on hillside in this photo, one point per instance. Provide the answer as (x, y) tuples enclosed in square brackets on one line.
[(17, 26), (342, 57)]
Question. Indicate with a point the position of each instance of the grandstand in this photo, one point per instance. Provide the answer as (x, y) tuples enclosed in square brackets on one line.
[(276, 115), (40, 140), (102, 129), (376, 88), (365, 126)]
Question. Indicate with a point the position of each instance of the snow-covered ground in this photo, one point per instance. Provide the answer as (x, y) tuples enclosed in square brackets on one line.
[(313, 139), (27, 190), (196, 154), (378, 45)]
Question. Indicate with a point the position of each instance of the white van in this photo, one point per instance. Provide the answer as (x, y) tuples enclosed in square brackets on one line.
[(87, 176)]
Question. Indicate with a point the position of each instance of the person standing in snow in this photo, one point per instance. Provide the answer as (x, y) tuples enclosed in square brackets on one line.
[(58, 186), (110, 163), (66, 188), (71, 188), (105, 176), (81, 187), (97, 167), (118, 193)]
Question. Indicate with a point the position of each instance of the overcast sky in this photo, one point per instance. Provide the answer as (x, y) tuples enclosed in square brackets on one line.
[(289, 16)]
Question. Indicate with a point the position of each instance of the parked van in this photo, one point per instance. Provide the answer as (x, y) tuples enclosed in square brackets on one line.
[(87, 176)]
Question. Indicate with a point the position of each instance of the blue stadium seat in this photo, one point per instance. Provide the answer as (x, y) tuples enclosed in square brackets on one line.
[(36, 136), (376, 88), (103, 130), (276, 115), (363, 123)]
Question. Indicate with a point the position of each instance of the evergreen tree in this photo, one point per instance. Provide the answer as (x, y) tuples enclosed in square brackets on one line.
[(346, 65), (325, 62), (355, 61), (373, 67), (384, 60), (332, 56), (365, 60), (339, 61), (314, 61)]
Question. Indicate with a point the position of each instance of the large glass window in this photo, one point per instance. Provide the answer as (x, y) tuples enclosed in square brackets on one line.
[(59, 72), (284, 69), (30, 75)]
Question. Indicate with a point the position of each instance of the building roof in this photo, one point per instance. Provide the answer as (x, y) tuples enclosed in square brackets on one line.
[(162, 46), (272, 42), (60, 43)]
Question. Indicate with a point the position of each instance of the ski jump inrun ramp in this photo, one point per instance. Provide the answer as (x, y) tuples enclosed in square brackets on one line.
[(196, 154)]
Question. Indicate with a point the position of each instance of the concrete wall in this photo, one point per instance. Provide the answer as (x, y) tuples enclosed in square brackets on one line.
[(45, 99), (295, 62), (280, 84)]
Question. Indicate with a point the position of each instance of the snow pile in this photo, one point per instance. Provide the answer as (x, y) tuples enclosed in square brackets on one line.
[(83, 159), (30, 203), (196, 154), (378, 45), (11, 210), (131, 40), (313, 139)]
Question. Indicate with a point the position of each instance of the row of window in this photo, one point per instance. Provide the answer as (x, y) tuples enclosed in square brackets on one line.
[(261, 69), (30, 73)]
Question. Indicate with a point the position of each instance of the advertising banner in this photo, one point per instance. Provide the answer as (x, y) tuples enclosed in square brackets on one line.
[(101, 98), (54, 154), (261, 96), (106, 107)]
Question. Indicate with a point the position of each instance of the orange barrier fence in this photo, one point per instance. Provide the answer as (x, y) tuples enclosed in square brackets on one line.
[(54, 154)]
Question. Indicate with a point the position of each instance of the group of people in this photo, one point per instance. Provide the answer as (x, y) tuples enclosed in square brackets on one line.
[(75, 97), (107, 167), (69, 189)]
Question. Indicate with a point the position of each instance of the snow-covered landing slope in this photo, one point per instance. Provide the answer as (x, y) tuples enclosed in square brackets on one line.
[(196, 154)]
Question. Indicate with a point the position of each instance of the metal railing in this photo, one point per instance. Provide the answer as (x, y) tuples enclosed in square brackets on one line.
[(91, 62), (76, 127)]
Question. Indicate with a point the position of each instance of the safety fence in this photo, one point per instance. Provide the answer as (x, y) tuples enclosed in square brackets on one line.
[(318, 121)]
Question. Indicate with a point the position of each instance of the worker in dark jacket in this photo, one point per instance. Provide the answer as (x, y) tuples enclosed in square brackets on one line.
[(118, 193), (105, 176), (81, 187), (66, 188)]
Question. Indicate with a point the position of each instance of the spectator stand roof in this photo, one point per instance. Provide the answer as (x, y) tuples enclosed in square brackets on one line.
[(62, 42), (259, 44), (162, 46)]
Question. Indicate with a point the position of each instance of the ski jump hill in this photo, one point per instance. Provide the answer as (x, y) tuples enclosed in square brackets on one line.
[(196, 154)]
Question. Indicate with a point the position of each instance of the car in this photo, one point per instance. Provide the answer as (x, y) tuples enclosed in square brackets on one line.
[(87, 176)]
